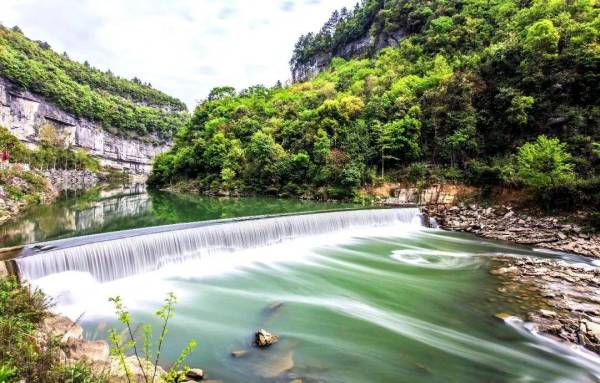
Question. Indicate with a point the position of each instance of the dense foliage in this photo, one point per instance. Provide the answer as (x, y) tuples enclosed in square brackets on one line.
[(129, 106), (472, 82), (22, 309)]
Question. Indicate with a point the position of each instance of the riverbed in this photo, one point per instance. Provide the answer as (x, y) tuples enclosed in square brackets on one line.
[(391, 302)]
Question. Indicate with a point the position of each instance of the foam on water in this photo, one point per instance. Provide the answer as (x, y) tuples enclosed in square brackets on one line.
[(433, 259)]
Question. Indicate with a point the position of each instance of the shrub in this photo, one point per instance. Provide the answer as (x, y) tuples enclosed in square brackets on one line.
[(545, 163), (123, 344)]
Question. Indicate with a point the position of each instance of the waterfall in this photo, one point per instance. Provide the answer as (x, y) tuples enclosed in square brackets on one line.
[(112, 256)]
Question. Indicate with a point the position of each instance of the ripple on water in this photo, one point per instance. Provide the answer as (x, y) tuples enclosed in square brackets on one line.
[(434, 259)]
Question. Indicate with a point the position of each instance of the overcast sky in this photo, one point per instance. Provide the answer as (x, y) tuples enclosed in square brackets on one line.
[(183, 47)]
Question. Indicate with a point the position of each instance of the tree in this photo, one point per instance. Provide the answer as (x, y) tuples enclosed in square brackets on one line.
[(221, 92), (48, 135), (321, 146), (545, 163), (542, 38)]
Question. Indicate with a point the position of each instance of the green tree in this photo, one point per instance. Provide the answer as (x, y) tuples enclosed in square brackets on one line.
[(545, 163)]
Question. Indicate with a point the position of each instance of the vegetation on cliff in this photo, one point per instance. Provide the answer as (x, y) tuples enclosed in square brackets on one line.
[(471, 83), (51, 153), (127, 105)]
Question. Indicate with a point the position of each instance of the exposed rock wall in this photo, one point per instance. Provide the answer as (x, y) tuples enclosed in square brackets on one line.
[(365, 46), (23, 113)]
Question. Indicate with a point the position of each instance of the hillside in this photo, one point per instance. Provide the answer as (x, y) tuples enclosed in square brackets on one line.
[(471, 83), (126, 106)]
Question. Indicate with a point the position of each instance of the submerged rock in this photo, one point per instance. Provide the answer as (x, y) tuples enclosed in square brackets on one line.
[(239, 353), (273, 307), (276, 365), (264, 339)]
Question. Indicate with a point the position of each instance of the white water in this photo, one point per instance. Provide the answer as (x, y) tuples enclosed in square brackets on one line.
[(121, 257)]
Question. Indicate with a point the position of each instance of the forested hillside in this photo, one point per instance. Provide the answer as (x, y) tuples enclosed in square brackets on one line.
[(127, 105), (458, 99)]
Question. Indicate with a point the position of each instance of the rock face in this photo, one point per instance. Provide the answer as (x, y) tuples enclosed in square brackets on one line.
[(23, 113), (568, 297), (64, 180), (504, 223), (434, 195), (364, 46)]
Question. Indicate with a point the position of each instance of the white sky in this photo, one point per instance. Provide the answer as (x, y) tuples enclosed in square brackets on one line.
[(183, 47)]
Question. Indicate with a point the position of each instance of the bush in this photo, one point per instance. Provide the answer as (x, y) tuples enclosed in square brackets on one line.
[(545, 164)]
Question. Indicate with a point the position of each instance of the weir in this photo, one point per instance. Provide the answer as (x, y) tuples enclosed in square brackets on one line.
[(117, 255)]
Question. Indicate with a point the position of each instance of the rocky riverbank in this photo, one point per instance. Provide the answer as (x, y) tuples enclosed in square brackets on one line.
[(96, 354), (506, 223), (556, 298), (20, 188)]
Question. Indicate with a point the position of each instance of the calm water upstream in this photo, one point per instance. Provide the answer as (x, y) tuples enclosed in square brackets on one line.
[(387, 302), (100, 211)]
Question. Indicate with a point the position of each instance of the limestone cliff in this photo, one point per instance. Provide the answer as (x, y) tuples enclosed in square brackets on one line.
[(365, 46), (23, 113)]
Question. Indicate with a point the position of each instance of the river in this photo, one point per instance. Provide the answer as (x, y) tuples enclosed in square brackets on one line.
[(355, 296)]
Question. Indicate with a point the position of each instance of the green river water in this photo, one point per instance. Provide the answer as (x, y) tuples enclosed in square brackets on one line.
[(386, 304)]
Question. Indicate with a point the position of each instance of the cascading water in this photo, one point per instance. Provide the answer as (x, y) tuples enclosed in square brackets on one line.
[(116, 255)]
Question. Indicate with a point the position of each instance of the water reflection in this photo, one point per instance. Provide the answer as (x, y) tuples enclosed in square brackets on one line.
[(104, 209)]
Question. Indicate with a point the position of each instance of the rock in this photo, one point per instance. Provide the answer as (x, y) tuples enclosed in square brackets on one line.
[(118, 375), (195, 374), (571, 290), (593, 329), (94, 352), (239, 353), (508, 215), (548, 313), (275, 306), (264, 338), (561, 235), (503, 316), (276, 365), (62, 327)]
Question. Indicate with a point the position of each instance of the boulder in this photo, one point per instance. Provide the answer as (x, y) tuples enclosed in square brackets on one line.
[(195, 374), (263, 338), (61, 327), (94, 352), (117, 373)]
